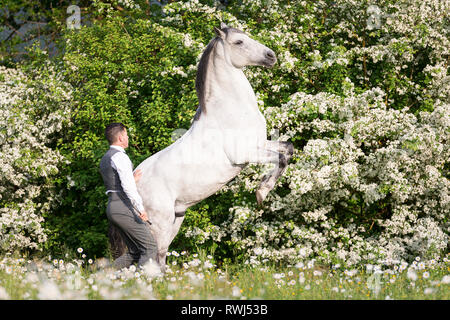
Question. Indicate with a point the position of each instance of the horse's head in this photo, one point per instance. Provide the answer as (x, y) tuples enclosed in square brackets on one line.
[(241, 50)]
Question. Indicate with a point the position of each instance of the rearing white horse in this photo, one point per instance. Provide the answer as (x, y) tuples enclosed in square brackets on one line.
[(227, 133)]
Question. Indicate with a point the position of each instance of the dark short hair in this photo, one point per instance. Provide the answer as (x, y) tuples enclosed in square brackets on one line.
[(112, 130)]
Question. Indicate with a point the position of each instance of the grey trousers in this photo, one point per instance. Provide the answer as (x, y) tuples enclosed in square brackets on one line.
[(134, 231)]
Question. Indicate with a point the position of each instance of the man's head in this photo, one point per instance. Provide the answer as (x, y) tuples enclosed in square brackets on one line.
[(116, 134)]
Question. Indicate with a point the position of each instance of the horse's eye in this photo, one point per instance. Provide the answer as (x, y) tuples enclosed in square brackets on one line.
[(239, 42)]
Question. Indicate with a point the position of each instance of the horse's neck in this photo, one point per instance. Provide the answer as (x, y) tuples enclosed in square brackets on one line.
[(227, 85)]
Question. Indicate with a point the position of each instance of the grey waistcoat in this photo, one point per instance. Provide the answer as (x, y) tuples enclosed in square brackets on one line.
[(109, 174)]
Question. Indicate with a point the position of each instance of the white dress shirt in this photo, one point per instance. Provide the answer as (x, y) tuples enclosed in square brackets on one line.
[(124, 167)]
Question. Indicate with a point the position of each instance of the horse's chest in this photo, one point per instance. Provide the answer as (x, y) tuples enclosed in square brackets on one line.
[(241, 114)]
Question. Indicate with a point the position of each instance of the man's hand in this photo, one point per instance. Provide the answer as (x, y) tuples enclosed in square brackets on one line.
[(143, 215), (137, 175)]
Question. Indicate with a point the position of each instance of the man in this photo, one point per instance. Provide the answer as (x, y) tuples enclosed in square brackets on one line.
[(125, 208)]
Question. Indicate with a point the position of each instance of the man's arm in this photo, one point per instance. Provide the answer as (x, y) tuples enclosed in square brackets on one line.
[(122, 164)]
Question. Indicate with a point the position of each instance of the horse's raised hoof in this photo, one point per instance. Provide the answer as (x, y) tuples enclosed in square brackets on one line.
[(261, 194), (259, 199), (290, 150)]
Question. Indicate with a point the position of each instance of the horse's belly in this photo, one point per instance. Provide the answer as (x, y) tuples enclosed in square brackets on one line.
[(184, 179), (198, 183), (193, 168)]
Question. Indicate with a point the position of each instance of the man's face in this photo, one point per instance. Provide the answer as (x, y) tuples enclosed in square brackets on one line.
[(122, 139), (125, 138)]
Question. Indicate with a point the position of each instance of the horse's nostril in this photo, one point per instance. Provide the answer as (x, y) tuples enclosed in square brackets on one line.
[(270, 55)]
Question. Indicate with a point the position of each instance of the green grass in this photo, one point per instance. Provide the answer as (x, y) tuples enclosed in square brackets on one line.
[(193, 278), (285, 283)]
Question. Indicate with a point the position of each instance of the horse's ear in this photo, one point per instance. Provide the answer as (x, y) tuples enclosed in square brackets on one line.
[(219, 32), (223, 25)]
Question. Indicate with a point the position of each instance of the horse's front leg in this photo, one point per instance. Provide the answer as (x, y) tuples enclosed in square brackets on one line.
[(285, 147), (269, 180), (266, 153), (285, 151)]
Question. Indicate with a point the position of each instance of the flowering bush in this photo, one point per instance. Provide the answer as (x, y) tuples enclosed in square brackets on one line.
[(361, 88), (371, 128), (33, 112), (370, 184)]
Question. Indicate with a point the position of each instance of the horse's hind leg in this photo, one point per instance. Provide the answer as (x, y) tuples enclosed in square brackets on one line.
[(161, 219), (164, 241), (164, 233)]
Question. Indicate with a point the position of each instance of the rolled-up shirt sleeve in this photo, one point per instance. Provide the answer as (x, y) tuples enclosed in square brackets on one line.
[(123, 165)]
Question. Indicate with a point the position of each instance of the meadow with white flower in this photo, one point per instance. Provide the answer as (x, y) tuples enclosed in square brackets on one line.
[(196, 276), (361, 88)]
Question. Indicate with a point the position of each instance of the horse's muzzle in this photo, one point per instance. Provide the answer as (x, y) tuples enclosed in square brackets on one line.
[(269, 59)]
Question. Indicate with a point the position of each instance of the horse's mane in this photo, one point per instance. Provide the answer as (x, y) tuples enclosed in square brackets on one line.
[(202, 70), (200, 80)]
